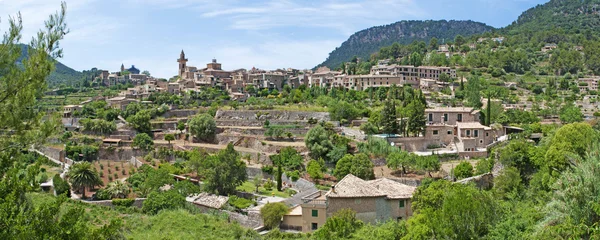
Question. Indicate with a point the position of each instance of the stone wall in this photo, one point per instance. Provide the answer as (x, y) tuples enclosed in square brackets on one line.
[(138, 202), (120, 154), (52, 152), (271, 115), (181, 113)]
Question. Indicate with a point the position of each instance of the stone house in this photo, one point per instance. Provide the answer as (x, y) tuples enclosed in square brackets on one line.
[(68, 110), (120, 102), (373, 201)]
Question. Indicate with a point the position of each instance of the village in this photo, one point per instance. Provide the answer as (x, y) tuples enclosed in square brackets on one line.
[(453, 134)]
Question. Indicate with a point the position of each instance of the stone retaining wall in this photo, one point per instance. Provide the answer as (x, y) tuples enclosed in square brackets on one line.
[(108, 203), (271, 115)]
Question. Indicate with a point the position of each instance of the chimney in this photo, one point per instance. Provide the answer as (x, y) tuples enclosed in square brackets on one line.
[(333, 189)]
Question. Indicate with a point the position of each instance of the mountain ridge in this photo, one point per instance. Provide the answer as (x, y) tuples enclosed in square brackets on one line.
[(367, 41)]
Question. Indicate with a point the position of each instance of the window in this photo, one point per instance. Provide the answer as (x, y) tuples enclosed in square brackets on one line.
[(314, 226), (431, 117), (476, 133), (468, 133), (315, 213), (435, 132), (481, 141), (401, 204), (445, 117), (459, 117), (449, 132), (487, 134)]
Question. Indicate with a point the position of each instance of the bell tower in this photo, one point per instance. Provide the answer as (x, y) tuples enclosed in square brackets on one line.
[(182, 64)]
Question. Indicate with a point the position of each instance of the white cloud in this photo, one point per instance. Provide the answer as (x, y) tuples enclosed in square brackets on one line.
[(341, 16)]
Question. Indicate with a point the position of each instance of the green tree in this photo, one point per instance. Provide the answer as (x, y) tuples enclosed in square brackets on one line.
[(143, 141), (389, 118), (463, 170), (318, 143), (141, 121), (180, 126), (157, 201), (341, 225), (400, 160), (443, 210), (169, 137), (433, 44), (224, 171), (186, 188), (570, 114), (272, 213), (61, 186), (82, 175), (369, 128), (428, 163), (289, 158), (22, 82), (315, 170), (358, 165), (459, 40), (573, 209), (279, 175), (203, 127)]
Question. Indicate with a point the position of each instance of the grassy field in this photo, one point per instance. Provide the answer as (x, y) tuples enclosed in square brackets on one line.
[(172, 224), (250, 187)]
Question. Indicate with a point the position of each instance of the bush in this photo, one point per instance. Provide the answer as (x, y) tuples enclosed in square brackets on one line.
[(272, 214), (61, 186), (102, 194), (269, 185), (294, 175), (123, 202), (240, 203), (463, 170), (157, 201), (267, 169)]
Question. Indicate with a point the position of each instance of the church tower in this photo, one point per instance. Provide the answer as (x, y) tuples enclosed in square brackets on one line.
[(122, 68), (182, 64)]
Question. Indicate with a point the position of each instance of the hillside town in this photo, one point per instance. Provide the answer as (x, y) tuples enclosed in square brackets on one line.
[(413, 130)]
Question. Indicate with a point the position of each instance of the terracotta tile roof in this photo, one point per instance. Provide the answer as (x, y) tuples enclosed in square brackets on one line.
[(351, 186), (449, 109), (393, 189)]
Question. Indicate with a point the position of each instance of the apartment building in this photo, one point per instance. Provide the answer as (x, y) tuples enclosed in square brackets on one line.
[(588, 84)]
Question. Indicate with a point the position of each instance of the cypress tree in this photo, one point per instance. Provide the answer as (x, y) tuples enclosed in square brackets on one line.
[(279, 173), (488, 112)]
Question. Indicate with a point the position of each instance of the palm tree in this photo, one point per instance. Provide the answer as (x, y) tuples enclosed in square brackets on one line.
[(82, 175), (117, 189)]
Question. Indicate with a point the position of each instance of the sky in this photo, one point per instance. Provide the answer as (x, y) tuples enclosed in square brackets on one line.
[(266, 34)]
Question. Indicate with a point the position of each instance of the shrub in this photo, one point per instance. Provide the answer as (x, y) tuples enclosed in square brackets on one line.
[(61, 186), (102, 194), (101, 166), (110, 178), (123, 172), (101, 174), (116, 175), (157, 201), (117, 168), (294, 175), (267, 169), (272, 214), (109, 171), (123, 202), (240, 203), (269, 185)]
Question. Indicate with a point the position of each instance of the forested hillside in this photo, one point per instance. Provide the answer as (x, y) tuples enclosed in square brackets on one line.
[(573, 16), (368, 41), (61, 74)]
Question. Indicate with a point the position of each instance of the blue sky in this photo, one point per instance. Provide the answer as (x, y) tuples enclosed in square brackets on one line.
[(267, 34)]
